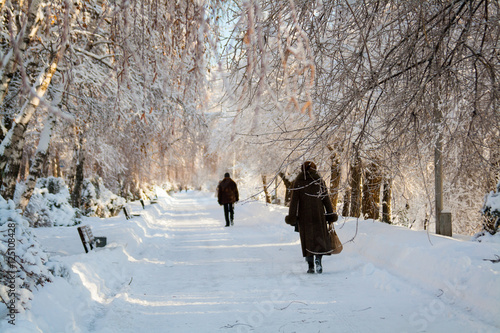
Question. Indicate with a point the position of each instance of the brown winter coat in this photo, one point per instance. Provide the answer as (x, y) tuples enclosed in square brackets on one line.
[(227, 191), (307, 209)]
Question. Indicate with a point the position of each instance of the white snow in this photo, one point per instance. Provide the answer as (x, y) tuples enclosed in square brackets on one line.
[(176, 268)]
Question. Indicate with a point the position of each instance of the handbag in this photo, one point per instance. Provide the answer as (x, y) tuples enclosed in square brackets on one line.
[(335, 241)]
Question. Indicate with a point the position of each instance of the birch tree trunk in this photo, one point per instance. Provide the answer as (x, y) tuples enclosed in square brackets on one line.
[(38, 161), (335, 174), (347, 202), (266, 191), (56, 166), (24, 169), (76, 194), (11, 148), (288, 185), (494, 177), (371, 192), (356, 178), (23, 41), (386, 201)]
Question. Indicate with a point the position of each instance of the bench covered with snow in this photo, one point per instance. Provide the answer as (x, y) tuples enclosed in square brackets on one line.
[(88, 238), (126, 211)]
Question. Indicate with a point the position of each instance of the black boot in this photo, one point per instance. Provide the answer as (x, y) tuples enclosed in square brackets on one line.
[(310, 261), (319, 268)]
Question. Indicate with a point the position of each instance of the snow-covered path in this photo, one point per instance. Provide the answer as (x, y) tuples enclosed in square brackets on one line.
[(176, 268), (205, 277)]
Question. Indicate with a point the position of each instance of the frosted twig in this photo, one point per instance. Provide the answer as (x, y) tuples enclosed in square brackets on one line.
[(237, 324), (291, 304), (494, 260)]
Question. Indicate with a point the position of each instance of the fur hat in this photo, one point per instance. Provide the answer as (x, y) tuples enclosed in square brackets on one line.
[(308, 165)]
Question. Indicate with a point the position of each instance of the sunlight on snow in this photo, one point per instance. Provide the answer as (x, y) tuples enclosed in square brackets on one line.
[(294, 243), (86, 275), (146, 260)]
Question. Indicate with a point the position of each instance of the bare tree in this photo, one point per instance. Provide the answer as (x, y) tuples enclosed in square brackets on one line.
[(393, 80)]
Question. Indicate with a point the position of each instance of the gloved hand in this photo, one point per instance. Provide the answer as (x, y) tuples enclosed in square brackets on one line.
[(291, 220), (330, 218)]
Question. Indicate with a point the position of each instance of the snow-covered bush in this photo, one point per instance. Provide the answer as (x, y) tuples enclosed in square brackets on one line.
[(50, 204), (491, 211), (150, 193), (97, 200), (167, 187), (22, 261), (146, 193)]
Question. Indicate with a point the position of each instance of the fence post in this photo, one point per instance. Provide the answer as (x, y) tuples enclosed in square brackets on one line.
[(445, 224)]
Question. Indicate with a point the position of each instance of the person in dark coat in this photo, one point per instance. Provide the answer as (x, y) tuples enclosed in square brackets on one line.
[(311, 209), (227, 195)]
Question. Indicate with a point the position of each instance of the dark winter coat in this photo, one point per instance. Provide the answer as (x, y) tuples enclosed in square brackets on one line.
[(310, 208), (227, 191)]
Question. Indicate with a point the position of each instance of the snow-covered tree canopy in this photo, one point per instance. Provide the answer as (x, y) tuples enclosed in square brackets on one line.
[(383, 82), (129, 92), (128, 80)]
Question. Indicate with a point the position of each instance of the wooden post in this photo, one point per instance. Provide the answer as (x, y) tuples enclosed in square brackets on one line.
[(445, 223)]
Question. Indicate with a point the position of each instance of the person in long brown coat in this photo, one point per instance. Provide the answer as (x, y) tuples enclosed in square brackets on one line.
[(227, 195), (310, 209)]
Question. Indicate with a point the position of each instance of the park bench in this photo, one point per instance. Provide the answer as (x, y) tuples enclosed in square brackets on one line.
[(89, 240), (127, 213), (153, 200)]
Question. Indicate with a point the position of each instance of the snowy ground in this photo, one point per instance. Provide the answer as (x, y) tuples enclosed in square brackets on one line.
[(176, 268)]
